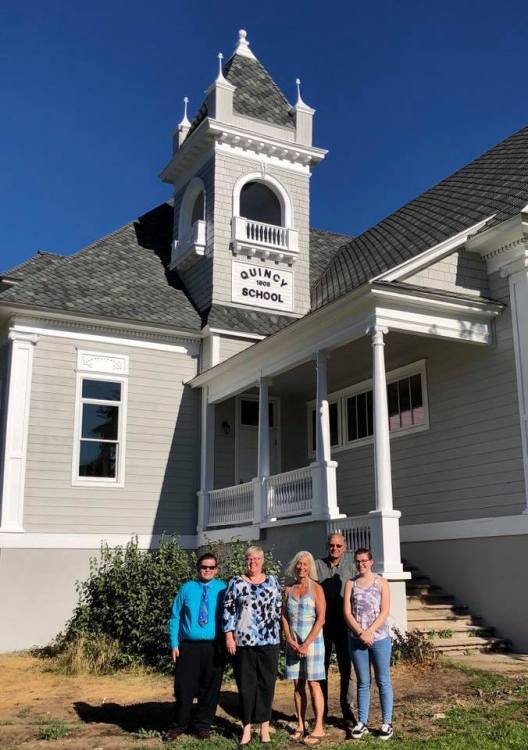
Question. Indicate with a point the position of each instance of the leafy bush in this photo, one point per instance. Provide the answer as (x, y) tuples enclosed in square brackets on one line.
[(413, 647), (53, 730), (125, 604)]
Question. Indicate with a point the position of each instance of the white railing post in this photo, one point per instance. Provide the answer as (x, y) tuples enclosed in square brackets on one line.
[(206, 462), (324, 469)]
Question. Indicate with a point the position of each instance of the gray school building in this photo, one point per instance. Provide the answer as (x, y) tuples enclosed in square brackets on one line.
[(218, 369)]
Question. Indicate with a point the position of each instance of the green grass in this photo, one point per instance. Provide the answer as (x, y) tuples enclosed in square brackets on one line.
[(53, 730)]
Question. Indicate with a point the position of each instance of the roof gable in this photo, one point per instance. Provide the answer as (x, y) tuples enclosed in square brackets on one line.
[(494, 183)]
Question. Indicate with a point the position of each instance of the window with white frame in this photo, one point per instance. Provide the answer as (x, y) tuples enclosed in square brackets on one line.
[(352, 422), (100, 433), (100, 419)]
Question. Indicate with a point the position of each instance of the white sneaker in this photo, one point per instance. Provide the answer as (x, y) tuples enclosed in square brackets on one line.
[(386, 732), (359, 731)]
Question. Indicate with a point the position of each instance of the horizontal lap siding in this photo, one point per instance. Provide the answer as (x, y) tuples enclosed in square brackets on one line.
[(162, 446), (459, 272), (469, 463), (231, 346)]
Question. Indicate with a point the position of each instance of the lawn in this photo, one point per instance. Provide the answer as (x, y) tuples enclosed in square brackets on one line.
[(448, 707)]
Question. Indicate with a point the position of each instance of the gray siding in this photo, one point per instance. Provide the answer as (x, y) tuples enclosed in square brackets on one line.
[(468, 464), (224, 448), (162, 451), (199, 278), (459, 272), (229, 346)]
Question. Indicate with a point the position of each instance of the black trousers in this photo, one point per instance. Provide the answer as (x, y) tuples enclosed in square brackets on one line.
[(198, 673), (337, 635), (256, 674)]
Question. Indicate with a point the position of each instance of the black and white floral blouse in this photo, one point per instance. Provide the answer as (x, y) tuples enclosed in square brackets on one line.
[(252, 612)]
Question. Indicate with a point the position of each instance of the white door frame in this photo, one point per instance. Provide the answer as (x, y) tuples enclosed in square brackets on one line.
[(254, 397)]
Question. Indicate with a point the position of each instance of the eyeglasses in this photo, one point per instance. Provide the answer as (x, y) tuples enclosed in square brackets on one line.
[(207, 567), (362, 562), (337, 546)]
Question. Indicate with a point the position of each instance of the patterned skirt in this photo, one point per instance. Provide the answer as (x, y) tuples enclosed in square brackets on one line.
[(301, 617)]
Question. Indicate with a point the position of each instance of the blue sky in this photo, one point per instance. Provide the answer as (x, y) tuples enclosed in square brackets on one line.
[(405, 93)]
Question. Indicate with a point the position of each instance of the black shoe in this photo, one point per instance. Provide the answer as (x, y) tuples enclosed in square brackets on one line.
[(359, 731), (174, 733), (203, 734), (386, 731)]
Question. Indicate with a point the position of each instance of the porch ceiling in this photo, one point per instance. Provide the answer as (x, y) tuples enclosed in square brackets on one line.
[(287, 356)]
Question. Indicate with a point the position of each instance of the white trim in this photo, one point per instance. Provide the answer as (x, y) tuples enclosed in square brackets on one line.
[(102, 363), (414, 368), (275, 186), (518, 283), (433, 254), (41, 540), (18, 397), (474, 528), (45, 329), (119, 481), (234, 334)]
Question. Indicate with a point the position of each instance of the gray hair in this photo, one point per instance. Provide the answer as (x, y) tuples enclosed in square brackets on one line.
[(312, 570)]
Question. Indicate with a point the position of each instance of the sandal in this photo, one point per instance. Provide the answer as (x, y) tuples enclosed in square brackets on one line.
[(313, 739), (298, 735)]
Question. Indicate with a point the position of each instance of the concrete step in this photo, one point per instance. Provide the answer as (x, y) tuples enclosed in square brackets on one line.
[(445, 623), (435, 610), (464, 643), (444, 600), (450, 630)]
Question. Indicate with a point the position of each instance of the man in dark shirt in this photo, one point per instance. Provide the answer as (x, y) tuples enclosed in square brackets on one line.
[(333, 572)]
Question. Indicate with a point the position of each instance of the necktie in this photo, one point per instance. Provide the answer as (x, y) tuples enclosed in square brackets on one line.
[(203, 614)]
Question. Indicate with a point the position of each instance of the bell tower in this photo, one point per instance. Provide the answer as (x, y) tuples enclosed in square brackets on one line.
[(241, 175)]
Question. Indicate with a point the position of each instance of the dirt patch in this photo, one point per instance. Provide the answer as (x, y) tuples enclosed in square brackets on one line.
[(130, 710)]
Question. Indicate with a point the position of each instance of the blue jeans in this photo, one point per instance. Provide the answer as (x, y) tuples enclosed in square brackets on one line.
[(378, 655)]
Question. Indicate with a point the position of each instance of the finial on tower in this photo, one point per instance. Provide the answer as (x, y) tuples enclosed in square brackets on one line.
[(299, 97), (220, 78), (185, 120), (242, 47)]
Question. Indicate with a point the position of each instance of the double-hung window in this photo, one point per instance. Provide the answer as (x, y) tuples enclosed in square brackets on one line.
[(100, 429), (352, 411)]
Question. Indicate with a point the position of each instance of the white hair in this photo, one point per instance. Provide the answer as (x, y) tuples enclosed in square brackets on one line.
[(312, 570)]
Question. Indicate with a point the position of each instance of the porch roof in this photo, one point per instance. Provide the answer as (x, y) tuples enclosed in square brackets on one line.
[(396, 306)]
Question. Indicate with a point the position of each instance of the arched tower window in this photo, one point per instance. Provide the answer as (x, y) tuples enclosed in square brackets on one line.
[(198, 211), (259, 203)]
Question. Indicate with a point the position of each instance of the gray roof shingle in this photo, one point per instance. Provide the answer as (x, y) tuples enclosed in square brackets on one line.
[(250, 321), (122, 276), (256, 94), (36, 263), (494, 183), (323, 246)]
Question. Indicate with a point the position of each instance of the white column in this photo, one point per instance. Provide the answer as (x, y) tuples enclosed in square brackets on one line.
[(323, 470), (18, 396), (263, 430), (206, 459), (382, 457), (322, 415), (517, 274)]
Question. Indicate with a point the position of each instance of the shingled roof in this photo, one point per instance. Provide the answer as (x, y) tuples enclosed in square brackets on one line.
[(256, 94), (494, 183), (122, 276), (38, 262)]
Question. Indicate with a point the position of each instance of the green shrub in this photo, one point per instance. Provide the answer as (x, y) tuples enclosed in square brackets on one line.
[(125, 604), (53, 730), (413, 647)]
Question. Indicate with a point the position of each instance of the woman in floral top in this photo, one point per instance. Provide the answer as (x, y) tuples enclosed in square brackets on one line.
[(252, 615)]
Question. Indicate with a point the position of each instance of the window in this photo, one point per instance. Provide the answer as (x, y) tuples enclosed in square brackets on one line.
[(198, 208), (249, 413), (352, 411), (259, 203), (99, 450)]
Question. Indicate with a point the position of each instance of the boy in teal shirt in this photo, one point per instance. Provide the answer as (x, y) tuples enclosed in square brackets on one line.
[(197, 649)]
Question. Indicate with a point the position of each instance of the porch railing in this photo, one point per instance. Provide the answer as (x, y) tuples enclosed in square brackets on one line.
[(231, 506), (357, 531), (257, 235), (289, 493)]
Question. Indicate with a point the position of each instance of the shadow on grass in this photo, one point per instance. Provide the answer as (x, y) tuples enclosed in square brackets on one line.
[(159, 715)]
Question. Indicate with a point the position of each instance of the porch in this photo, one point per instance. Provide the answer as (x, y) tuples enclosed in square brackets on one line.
[(341, 409)]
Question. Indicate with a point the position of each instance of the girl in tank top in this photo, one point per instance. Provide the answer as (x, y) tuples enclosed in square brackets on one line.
[(366, 604)]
